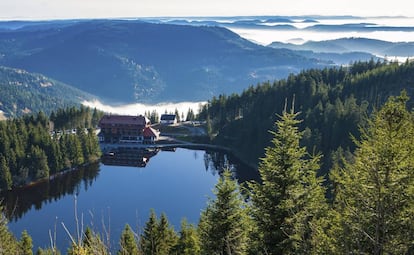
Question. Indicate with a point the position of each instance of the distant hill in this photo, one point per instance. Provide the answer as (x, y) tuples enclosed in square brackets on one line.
[(23, 92), (348, 45), (133, 61)]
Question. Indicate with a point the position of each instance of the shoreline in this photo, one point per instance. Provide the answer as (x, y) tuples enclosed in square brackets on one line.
[(53, 176), (167, 142)]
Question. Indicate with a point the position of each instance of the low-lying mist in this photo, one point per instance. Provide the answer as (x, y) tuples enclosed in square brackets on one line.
[(137, 109)]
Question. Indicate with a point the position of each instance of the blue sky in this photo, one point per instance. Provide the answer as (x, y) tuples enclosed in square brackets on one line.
[(51, 9)]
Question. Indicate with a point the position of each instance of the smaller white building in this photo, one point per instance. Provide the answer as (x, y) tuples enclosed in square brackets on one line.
[(168, 119)]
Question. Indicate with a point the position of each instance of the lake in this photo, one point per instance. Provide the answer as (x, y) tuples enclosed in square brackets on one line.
[(121, 189)]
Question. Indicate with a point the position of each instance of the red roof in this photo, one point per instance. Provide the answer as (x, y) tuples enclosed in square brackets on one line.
[(150, 132), (125, 120)]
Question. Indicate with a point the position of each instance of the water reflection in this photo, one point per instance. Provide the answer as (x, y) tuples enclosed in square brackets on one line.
[(217, 161), (128, 156), (19, 201)]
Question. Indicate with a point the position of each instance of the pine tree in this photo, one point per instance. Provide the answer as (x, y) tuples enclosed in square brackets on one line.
[(8, 243), (290, 200), (25, 243), (188, 243), (190, 115), (92, 244), (374, 194), (38, 165), (166, 236), (154, 117), (148, 241), (5, 175), (128, 245), (223, 226)]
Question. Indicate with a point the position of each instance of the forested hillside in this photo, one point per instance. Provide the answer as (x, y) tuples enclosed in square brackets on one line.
[(31, 151), (370, 211), (22, 92), (133, 61), (332, 102)]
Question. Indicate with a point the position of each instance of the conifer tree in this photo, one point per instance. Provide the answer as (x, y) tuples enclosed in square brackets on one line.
[(8, 243), (374, 194), (128, 245), (166, 236), (290, 200), (148, 241), (38, 166), (87, 238), (5, 175), (25, 243), (188, 243), (91, 244), (223, 226)]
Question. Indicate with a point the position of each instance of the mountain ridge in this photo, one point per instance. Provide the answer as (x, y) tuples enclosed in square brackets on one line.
[(22, 92), (135, 61), (352, 44)]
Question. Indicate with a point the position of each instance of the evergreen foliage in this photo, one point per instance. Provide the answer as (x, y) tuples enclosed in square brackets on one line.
[(158, 237), (334, 102), (149, 239), (290, 200), (22, 92), (25, 243), (8, 243), (153, 116), (188, 242), (223, 224), (89, 244), (73, 117), (128, 244), (190, 115), (30, 152), (372, 192), (5, 175), (373, 195)]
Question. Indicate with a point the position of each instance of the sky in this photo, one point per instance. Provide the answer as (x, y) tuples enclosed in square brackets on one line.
[(67, 9)]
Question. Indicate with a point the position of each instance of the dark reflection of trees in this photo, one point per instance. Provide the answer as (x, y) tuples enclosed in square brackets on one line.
[(19, 201), (217, 161)]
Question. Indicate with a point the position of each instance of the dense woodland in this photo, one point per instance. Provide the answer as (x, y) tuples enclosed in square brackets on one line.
[(22, 92), (31, 150), (332, 102), (369, 209)]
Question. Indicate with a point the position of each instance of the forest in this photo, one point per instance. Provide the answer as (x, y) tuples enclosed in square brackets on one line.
[(36, 147), (336, 149), (22, 92), (333, 103), (370, 210)]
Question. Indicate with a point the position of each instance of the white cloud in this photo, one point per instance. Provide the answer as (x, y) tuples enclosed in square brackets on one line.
[(144, 8)]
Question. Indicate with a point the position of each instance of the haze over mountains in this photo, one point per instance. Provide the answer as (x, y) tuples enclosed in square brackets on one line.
[(352, 45), (156, 60), (134, 61)]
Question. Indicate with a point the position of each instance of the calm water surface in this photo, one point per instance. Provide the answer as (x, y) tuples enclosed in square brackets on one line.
[(108, 196)]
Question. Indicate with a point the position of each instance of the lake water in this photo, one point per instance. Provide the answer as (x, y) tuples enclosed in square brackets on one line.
[(122, 189)]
